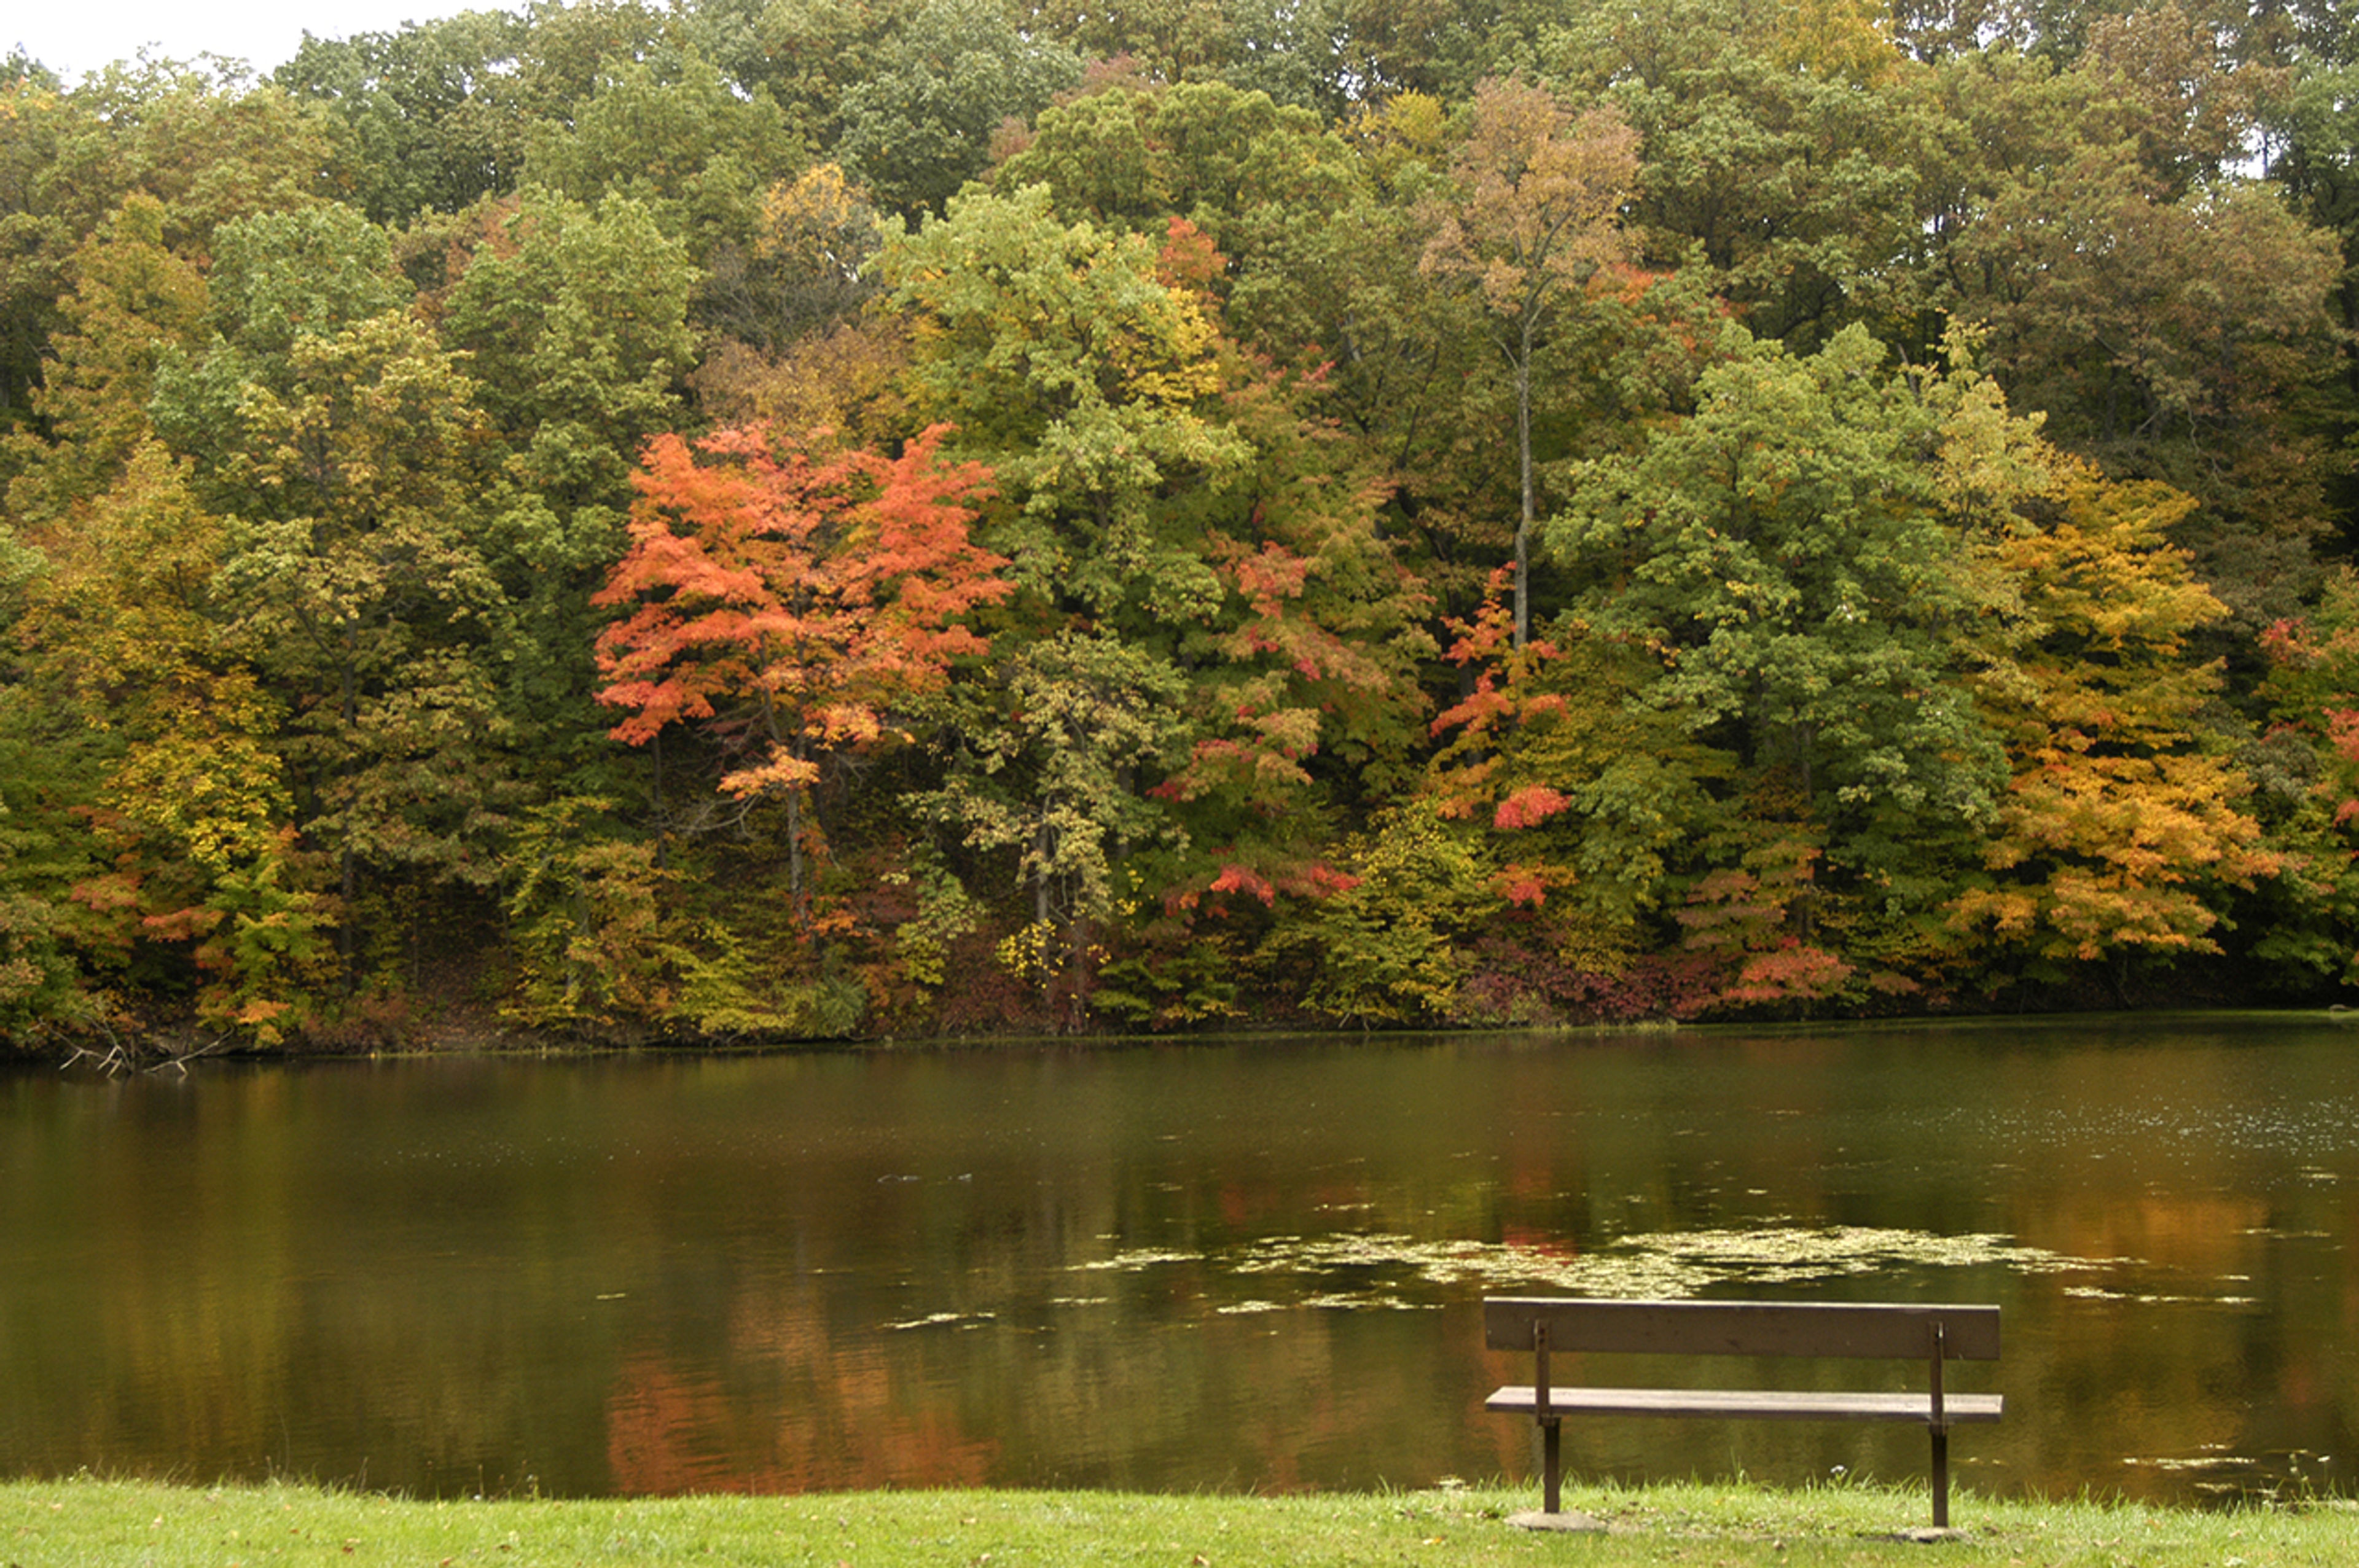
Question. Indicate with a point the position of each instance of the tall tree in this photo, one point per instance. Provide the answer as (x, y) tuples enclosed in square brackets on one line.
[(1594, 800), (2305, 770), (695, 151), (919, 126), (1534, 223), (1169, 508), (340, 443), (1805, 553), (574, 321), (2315, 127), (432, 114), (206, 147), (1790, 148), (133, 299), (1050, 780), (804, 270), (2171, 316), (1062, 354), (192, 817)]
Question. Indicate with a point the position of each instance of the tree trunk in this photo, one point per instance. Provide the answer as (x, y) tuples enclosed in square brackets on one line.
[(1524, 466)]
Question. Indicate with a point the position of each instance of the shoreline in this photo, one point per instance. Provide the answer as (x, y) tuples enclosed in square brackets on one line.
[(473, 1035)]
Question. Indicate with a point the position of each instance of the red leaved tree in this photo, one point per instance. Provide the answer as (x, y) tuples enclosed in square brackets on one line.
[(787, 596)]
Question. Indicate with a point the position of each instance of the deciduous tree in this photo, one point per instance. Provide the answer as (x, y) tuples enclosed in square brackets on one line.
[(1533, 223), (918, 125), (1789, 549), (2121, 824), (792, 600)]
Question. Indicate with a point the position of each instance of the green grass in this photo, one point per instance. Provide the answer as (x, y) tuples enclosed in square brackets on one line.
[(126, 1524)]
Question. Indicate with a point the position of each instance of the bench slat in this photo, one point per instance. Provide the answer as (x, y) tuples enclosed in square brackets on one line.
[(1748, 1404), (1879, 1329)]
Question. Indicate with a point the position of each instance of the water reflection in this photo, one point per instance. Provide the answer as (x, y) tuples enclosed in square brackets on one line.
[(1249, 1266)]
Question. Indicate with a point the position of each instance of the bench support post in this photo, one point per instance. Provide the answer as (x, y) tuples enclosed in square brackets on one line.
[(1940, 1425), (1552, 1425), (1552, 1465)]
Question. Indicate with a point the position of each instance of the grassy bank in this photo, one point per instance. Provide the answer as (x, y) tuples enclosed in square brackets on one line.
[(121, 1524)]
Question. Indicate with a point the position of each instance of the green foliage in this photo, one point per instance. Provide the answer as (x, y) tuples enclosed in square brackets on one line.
[(43, 988), (575, 320), (1596, 799), (1042, 769), (1233, 163), (1193, 981), (277, 277), (134, 302), (39, 993), (2306, 775), (266, 945), (1061, 353), (1393, 945), (944, 914), (1790, 551), (918, 124), (588, 924), (203, 149), (695, 151), (339, 442), (731, 987), (1792, 147), (2171, 322), (430, 114)]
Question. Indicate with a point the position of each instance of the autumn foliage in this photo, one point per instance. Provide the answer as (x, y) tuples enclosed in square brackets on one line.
[(789, 601), (597, 522)]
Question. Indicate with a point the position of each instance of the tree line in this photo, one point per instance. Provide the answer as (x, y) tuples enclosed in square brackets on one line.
[(803, 518)]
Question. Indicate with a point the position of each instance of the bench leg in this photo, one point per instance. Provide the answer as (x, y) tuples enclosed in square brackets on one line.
[(1551, 1467), (1941, 1478)]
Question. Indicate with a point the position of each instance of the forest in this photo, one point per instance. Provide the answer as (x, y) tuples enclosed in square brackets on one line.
[(871, 519)]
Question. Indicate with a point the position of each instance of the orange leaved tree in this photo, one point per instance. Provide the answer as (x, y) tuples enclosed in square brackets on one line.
[(786, 597)]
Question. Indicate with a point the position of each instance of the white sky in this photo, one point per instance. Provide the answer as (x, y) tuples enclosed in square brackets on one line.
[(71, 36)]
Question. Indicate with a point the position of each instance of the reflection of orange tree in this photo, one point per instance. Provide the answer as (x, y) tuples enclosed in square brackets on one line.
[(798, 1402), (1546, 1243), (840, 1420)]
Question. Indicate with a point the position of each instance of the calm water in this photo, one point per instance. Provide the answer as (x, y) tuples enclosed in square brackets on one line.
[(1254, 1266)]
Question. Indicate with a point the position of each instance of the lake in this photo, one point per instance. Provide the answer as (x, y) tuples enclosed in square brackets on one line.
[(1247, 1265)]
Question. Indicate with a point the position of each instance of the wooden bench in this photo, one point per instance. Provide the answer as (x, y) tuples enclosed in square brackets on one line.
[(1553, 1328)]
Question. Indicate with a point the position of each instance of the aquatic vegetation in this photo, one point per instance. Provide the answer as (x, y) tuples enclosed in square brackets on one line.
[(1387, 1268), (932, 1320), (2155, 1298), (1140, 1258)]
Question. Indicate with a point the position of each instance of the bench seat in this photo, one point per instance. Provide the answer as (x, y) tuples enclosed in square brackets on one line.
[(1748, 1404)]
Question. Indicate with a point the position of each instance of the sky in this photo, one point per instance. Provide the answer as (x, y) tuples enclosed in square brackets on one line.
[(71, 36)]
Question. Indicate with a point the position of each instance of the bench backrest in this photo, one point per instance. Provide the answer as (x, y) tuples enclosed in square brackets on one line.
[(1743, 1328)]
